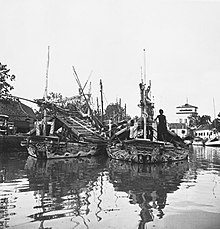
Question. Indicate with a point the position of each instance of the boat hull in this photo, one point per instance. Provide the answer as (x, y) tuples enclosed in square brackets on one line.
[(146, 152), (213, 143), (51, 149)]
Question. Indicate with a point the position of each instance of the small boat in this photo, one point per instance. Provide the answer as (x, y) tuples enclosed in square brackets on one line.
[(215, 142), (69, 136), (197, 141), (50, 147), (145, 149)]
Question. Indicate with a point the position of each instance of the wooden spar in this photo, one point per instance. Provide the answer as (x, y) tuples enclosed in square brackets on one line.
[(102, 110), (144, 67), (97, 100), (87, 80), (46, 94), (80, 86), (214, 107), (125, 110), (144, 112), (46, 85), (28, 100), (120, 114), (215, 123)]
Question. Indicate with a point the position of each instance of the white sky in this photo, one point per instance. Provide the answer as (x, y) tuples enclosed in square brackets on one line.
[(181, 38)]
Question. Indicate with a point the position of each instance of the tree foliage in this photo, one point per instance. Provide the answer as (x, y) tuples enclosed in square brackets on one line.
[(193, 120), (205, 119), (5, 79), (196, 120), (115, 111), (72, 103), (57, 99), (216, 123)]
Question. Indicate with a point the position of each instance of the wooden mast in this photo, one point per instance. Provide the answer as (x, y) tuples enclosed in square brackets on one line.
[(102, 110), (46, 94), (144, 112), (97, 121), (97, 101)]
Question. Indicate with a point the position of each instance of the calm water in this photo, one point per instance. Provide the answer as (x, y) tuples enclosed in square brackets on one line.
[(101, 193)]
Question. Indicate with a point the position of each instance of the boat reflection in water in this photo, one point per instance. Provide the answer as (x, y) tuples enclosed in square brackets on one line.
[(63, 186), (98, 192), (147, 186), (81, 188)]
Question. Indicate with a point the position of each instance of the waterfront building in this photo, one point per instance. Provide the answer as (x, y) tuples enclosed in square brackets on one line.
[(181, 126), (185, 111), (204, 132)]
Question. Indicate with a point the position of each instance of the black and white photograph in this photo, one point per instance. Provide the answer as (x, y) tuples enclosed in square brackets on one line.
[(110, 114)]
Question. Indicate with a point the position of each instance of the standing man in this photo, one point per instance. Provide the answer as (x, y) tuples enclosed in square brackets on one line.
[(161, 126)]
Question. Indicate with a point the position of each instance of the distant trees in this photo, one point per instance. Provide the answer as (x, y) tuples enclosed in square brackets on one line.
[(216, 123), (5, 78), (72, 103), (115, 112), (196, 120), (193, 120), (205, 119), (57, 99)]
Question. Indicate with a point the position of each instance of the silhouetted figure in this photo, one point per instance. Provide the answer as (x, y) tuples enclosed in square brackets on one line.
[(161, 126)]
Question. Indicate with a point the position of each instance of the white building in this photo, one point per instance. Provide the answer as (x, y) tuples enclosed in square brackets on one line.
[(205, 132), (181, 127), (184, 112)]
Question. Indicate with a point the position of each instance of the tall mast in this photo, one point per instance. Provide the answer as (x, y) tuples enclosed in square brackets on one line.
[(144, 102), (215, 124), (101, 91), (125, 110), (144, 67), (46, 85), (214, 107), (46, 94), (97, 100)]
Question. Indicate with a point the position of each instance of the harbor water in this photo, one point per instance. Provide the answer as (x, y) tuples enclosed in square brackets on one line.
[(97, 192)]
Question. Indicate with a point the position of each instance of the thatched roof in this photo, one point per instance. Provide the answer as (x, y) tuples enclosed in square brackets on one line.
[(16, 110)]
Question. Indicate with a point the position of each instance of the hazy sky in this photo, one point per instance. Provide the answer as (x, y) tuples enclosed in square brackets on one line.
[(181, 38)]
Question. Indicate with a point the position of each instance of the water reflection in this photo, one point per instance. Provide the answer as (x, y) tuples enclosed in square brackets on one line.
[(95, 192), (63, 186), (147, 186), (12, 180), (207, 155)]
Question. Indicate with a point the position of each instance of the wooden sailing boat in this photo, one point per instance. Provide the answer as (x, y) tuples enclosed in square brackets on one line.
[(145, 149), (68, 134), (71, 137)]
